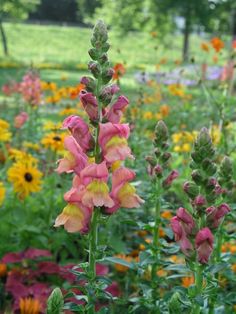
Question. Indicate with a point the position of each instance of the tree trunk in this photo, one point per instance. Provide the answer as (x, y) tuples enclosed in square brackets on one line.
[(187, 26), (4, 39)]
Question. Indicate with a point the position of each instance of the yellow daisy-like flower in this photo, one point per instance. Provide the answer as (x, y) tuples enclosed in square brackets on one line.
[(25, 177), (54, 141), (5, 134), (19, 155), (2, 193)]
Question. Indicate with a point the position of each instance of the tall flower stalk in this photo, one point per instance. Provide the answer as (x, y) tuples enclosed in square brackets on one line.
[(95, 153), (162, 178), (196, 228)]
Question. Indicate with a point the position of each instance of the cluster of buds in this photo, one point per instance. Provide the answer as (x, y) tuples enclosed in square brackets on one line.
[(158, 164), (206, 191), (95, 153)]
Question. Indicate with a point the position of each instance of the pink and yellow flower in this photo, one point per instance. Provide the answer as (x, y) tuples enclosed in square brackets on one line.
[(75, 217), (74, 158), (80, 131), (115, 113), (113, 141), (123, 193)]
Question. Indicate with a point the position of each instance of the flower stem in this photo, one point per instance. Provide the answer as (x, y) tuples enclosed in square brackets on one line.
[(93, 235), (93, 238), (156, 245), (198, 277)]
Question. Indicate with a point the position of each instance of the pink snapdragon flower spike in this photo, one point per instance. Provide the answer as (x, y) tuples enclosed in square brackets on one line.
[(123, 193), (30, 88), (215, 214), (204, 245), (96, 193), (74, 160), (90, 104), (80, 131), (75, 217), (113, 141), (115, 113), (20, 119)]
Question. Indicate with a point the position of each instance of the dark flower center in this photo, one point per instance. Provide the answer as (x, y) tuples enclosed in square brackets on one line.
[(28, 177), (57, 138)]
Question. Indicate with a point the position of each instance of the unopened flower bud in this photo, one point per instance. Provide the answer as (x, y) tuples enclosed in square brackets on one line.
[(191, 189), (151, 160), (107, 93), (209, 166), (161, 133), (107, 75), (226, 169), (215, 214), (95, 68), (199, 201), (165, 157), (157, 152), (169, 180), (197, 177), (158, 171), (93, 53), (89, 83), (204, 245), (103, 58), (100, 33)]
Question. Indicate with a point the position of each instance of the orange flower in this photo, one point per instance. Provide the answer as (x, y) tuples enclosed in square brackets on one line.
[(187, 281), (165, 110), (74, 92), (153, 34), (119, 71), (232, 249), (166, 214), (29, 306), (3, 270), (233, 267), (217, 44), (234, 44), (205, 47)]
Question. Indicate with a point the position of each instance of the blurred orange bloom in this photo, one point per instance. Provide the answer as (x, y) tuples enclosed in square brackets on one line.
[(217, 44), (119, 71), (187, 281), (3, 270)]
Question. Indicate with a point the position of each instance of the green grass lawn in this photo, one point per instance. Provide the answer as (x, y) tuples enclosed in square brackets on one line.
[(62, 50)]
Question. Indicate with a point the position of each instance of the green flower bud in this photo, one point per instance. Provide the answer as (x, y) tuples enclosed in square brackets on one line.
[(209, 166), (151, 160), (197, 177), (100, 32), (95, 68), (93, 53), (161, 133), (226, 168), (55, 302), (191, 189)]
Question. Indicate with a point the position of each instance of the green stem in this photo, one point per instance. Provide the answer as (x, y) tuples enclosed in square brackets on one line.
[(93, 235), (198, 277), (156, 244)]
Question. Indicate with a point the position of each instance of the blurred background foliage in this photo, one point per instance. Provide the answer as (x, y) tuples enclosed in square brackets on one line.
[(184, 16)]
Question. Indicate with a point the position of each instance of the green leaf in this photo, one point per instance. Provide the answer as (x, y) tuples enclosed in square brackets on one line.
[(120, 261)]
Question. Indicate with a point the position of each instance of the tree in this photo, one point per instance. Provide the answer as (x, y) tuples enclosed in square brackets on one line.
[(14, 9)]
